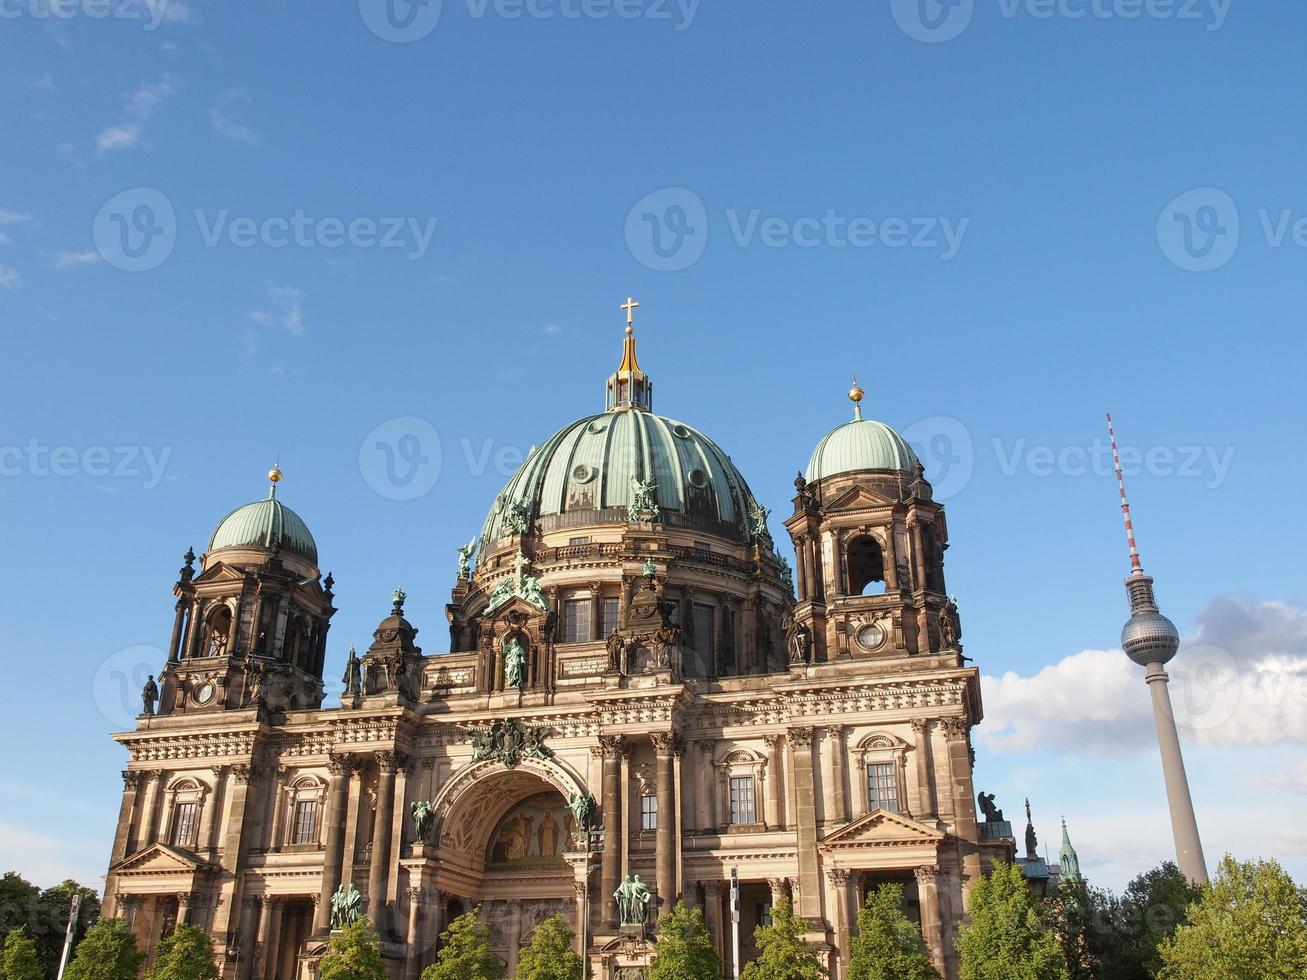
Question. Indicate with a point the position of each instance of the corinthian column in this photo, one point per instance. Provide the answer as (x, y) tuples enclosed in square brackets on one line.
[(387, 764), (334, 822), (928, 899), (610, 866), (665, 743)]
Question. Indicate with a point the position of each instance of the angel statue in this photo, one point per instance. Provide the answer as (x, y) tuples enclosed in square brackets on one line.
[(643, 501), (583, 807), (423, 815), (346, 906), (465, 555), (514, 663)]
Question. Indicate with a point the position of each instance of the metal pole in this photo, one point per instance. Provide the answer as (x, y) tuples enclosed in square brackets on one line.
[(735, 923), (68, 934)]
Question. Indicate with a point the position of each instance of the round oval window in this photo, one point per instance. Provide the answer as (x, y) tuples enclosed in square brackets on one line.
[(870, 637)]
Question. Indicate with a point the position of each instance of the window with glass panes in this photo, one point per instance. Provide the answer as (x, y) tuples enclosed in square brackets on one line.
[(183, 824), (742, 808), (703, 639), (611, 607), (883, 786), (303, 829), (648, 813), (576, 620)]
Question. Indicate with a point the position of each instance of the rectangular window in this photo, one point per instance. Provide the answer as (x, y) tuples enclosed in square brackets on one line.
[(703, 640), (578, 541), (703, 546), (183, 824), (648, 813), (576, 620), (883, 786), (304, 830), (611, 614), (742, 809)]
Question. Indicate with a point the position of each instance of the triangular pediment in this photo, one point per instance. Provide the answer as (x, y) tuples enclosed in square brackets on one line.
[(857, 497), (161, 859), (517, 604), (220, 572), (882, 828)]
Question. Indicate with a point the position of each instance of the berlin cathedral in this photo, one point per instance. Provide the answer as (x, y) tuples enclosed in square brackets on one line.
[(637, 682)]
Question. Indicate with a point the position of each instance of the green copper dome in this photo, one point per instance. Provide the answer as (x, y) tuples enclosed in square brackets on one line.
[(265, 524), (586, 473), (863, 444)]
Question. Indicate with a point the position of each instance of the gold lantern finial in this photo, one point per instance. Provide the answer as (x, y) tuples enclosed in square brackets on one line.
[(856, 394), (274, 477)]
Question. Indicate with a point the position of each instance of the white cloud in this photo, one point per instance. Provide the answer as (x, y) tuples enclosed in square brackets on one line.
[(5, 239), (70, 260), (551, 330), (13, 217), (118, 137), (229, 129), (285, 309), (9, 277), (1241, 680)]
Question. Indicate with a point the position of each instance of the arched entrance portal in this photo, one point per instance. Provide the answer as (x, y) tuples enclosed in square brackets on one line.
[(503, 837)]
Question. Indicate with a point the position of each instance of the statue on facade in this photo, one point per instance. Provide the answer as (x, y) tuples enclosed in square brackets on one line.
[(353, 679), (532, 592), (149, 695), (253, 683), (787, 573), (1032, 839), (584, 807), (614, 647), (346, 906), (644, 501), (633, 901), (465, 555), (514, 663), (992, 813), (423, 816), (508, 741), (517, 520), (948, 635), (796, 638), (758, 532)]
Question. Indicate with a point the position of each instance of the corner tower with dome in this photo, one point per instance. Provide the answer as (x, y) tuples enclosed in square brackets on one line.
[(636, 684)]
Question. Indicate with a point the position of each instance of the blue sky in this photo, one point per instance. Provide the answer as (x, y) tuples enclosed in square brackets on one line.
[(989, 229)]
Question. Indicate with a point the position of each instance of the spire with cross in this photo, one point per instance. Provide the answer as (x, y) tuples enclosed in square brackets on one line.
[(628, 386)]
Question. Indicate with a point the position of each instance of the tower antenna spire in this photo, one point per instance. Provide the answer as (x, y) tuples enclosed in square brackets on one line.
[(1135, 567)]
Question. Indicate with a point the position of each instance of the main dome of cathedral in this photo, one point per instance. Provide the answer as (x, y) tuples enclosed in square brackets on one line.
[(593, 470)]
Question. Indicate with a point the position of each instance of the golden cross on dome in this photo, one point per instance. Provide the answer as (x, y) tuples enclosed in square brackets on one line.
[(630, 306)]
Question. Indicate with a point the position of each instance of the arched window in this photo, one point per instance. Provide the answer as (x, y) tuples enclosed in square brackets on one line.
[(219, 623), (866, 566)]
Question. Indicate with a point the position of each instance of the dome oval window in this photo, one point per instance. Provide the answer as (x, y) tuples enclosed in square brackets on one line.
[(698, 479)]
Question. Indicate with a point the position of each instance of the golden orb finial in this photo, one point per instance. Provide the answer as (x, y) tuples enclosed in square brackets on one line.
[(856, 394), (274, 475)]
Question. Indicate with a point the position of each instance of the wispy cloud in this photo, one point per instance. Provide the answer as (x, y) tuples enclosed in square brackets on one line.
[(13, 217), (45, 83), (5, 239), (229, 129), (9, 277), (71, 260), (142, 104), (551, 330), (285, 309)]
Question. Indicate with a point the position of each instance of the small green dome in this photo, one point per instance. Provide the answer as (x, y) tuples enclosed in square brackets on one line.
[(863, 444), (584, 474), (265, 524)]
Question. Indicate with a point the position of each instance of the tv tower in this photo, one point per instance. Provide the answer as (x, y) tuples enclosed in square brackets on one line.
[(1151, 640)]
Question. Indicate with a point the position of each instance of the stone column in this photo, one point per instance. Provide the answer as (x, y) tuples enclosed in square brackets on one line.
[(387, 763), (890, 555), (146, 833), (513, 927), (266, 965), (964, 817), (809, 904), (234, 847), (579, 892), (777, 886), (198, 607), (208, 839), (712, 913), (928, 900), (184, 908), (665, 834), (926, 807), (706, 786), (836, 809), (841, 921), (413, 964), (774, 783), (610, 868), (333, 821), (175, 641), (801, 570), (126, 815)]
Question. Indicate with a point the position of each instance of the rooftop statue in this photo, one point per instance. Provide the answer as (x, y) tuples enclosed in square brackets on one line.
[(992, 813), (644, 500), (465, 555)]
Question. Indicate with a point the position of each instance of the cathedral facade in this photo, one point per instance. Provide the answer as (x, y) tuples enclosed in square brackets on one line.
[(637, 683)]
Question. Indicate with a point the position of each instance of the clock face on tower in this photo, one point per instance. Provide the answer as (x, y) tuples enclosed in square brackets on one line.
[(871, 637)]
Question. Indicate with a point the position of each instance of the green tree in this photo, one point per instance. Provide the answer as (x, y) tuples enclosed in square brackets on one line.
[(185, 954), (1008, 937), (51, 918), (19, 900), (1082, 919), (108, 952), (1133, 926), (465, 952), (550, 955), (888, 946), (1251, 922), (684, 950), (782, 953), (353, 954), (20, 958)]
